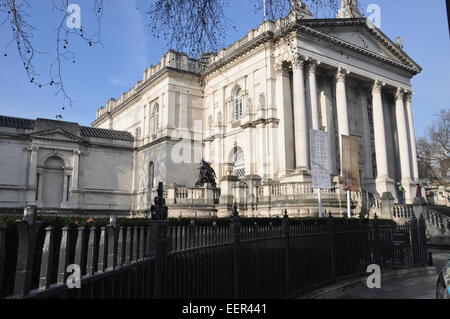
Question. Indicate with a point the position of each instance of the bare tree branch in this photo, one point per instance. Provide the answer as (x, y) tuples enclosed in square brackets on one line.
[(434, 149), (192, 26), (17, 20)]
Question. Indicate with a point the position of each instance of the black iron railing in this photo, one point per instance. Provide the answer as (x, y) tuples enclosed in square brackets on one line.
[(275, 259)]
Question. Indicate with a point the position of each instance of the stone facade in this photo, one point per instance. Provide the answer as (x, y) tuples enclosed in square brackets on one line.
[(248, 110), (59, 165)]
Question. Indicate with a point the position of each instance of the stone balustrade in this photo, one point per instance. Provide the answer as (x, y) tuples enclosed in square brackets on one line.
[(282, 191), (402, 212), (438, 195), (175, 194)]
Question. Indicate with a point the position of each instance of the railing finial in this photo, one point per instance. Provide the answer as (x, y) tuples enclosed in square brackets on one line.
[(159, 209), (235, 211)]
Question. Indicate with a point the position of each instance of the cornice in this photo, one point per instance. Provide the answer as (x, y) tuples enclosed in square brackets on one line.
[(305, 25), (140, 88), (242, 50)]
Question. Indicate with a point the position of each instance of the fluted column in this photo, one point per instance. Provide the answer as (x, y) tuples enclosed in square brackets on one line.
[(380, 138), (412, 135), (312, 67), (300, 115), (285, 131), (403, 143), (367, 138), (341, 107)]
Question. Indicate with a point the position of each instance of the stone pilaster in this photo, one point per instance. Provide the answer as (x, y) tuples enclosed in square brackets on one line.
[(32, 176)]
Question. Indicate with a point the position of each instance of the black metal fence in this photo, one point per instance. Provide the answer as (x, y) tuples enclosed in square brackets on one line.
[(275, 259)]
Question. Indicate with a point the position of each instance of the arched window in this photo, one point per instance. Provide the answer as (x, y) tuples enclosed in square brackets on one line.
[(151, 175), (237, 103), (238, 159), (156, 117)]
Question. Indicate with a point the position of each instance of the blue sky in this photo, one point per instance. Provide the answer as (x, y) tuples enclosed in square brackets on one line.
[(108, 70)]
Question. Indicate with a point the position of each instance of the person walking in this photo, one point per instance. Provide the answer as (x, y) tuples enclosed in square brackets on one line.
[(401, 194), (418, 190)]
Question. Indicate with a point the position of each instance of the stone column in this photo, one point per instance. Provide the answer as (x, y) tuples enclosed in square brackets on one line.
[(341, 107), (300, 116), (285, 131), (367, 137), (412, 135), (313, 93), (403, 144), (380, 138), (326, 97)]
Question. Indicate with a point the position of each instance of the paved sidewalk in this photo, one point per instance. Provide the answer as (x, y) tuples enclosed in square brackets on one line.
[(423, 287)]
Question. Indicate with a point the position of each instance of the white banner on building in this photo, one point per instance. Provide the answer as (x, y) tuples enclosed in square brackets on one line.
[(320, 159)]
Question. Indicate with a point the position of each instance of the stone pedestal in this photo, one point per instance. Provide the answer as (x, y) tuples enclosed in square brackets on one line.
[(419, 207), (226, 189), (252, 181), (410, 190), (385, 185), (240, 190), (209, 194), (387, 202), (300, 175)]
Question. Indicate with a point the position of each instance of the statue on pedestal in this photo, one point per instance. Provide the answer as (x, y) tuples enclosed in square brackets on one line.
[(206, 175)]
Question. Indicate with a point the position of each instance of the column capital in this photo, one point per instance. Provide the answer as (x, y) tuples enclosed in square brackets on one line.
[(76, 152), (312, 65), (341, 74), (408, 95), (298, 61), (377, 86), (281, 69), (399, 94)]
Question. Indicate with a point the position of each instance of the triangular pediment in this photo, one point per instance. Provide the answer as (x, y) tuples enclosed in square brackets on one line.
[(362, 36), (56, 135), (363, 40)]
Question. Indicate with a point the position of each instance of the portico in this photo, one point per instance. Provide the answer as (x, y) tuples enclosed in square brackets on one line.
[(373, 95)]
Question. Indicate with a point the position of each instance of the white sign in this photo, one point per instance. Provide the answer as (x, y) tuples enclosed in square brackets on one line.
[(320, 159)]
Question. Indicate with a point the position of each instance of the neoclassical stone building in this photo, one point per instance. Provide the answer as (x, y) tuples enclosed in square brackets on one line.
[(247, 110)]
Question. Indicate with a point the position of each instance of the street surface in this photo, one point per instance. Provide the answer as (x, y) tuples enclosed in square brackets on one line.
[(423, 287)]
